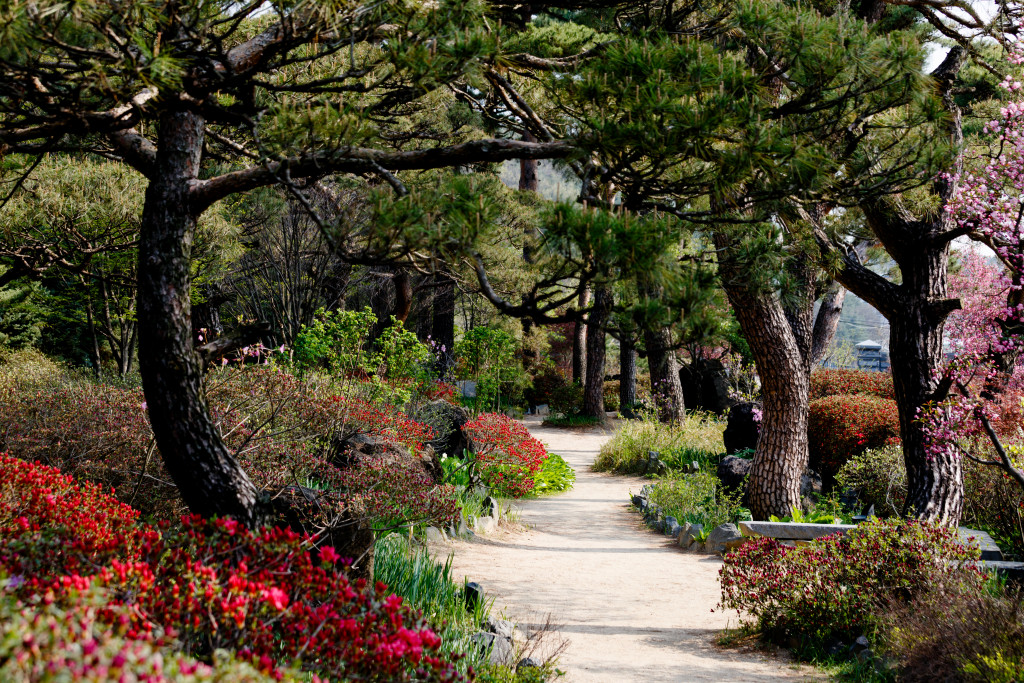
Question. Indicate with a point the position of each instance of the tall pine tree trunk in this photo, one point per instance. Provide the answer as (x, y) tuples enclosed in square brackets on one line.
[(593, 390), (579, 342), (781, 454), (208, 476), (666, 387), (627, 376)]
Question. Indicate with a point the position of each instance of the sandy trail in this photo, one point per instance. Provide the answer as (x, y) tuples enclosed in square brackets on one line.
[(632, 606)]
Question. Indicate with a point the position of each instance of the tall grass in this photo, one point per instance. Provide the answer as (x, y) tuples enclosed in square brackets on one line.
[(699, 435), (429, 587)]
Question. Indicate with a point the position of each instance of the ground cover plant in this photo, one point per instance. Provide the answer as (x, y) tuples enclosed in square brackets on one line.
[(626, 452), (216, 585), (554, 476)]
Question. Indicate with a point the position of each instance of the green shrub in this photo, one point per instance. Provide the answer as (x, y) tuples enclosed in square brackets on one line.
[(488, 355), (828, 588), (697, 498), (626, 452), (879, 477), (835, 382), (554, 476), (335, 341), (841, 426)]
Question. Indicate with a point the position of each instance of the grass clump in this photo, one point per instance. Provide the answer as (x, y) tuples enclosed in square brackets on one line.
[(697, 498), (571, 421), (626, 452)]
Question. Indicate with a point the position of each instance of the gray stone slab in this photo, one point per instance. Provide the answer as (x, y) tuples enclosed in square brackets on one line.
[(989, 549), (1014, 571), (792, 530)]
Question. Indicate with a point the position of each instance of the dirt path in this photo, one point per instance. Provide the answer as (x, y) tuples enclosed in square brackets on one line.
[(632, 606)]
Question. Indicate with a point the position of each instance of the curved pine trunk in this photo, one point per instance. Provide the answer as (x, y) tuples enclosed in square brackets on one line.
[(208, 476), (627, 376)]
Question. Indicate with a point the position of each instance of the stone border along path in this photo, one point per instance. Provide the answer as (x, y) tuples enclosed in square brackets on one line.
[(631, 604)]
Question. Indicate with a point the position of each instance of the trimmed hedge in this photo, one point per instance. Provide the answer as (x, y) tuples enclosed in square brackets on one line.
[(837, 382), (840, 427)]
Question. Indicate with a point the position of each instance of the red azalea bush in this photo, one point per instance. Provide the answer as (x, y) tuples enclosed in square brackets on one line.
[(829, 588), (835, 382), (507, 456), (210, 584), (839, 427), (278, 425)]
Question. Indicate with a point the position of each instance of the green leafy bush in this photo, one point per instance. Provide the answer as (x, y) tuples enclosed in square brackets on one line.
[(554, 476), (835, 382), (841, 426), (489, 356), (880, 478), (828, 588), (697, 498), (626, 452), (335, 341)]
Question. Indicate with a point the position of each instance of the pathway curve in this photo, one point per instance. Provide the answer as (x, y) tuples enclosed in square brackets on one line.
[(631, 605)]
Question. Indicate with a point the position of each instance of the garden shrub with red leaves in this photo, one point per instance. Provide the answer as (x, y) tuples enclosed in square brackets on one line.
[(506, 454), (835, 382), (828, 588), (209, 584), (839, 427), (279, 426)]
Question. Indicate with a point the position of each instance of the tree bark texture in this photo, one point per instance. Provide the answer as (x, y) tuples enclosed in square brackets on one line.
[(593, 389), (579, 342), (442, 323), (208, 476), (781, 454), (627, 376), (827, 322)]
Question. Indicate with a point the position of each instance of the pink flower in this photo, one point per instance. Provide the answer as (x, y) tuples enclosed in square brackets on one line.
[(276, 597), (328, 554)]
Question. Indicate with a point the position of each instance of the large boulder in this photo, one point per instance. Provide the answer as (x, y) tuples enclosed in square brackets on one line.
[(742, 428), (723, 537), (706, 386), (732, 471), (447, 421)]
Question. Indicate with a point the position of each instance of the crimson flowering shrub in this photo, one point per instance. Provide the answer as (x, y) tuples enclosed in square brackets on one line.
[(506, 454), (43, 642), (839, 427), (210, 585), (841, 381), (829, 588)]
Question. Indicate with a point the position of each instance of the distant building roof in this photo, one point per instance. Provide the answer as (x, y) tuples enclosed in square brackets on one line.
[(869, 344)]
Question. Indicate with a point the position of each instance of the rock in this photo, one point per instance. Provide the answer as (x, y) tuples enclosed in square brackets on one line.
[(485, 525), (638, 501), (681, 536), (810, 483), (989, 549), (862, 643), (720, 536), (672, 526), (447, 421), (706, 386), (527, 663), (474, 595), (500, 627), (492, 507), (435, 535), (793, 530), (659, 525), (688, 538), (732, 471), (499, 648), (742, 429), (654, 465)]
